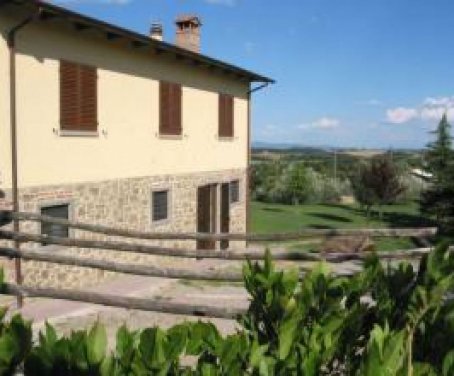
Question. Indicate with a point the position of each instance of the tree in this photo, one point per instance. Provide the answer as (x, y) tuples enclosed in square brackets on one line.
[(438, 199), (377, 182), (438, 156), (297, 183)]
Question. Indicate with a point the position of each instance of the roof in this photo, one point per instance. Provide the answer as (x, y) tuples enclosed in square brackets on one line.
[(112, 32)]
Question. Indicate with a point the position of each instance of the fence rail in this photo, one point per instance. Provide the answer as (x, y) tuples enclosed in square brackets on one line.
[(150, 305), (173, 273), (297, 235)]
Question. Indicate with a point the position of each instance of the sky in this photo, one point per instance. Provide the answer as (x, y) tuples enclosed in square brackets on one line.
[(350, 73)]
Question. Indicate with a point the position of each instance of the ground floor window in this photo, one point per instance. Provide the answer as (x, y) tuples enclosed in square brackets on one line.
[(160, 205), (235, 191), (54, 230)]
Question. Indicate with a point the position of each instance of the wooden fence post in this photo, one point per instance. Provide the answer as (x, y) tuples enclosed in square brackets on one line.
[(6, 218)]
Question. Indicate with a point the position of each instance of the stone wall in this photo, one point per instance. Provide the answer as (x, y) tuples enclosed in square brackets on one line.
[(124, 203)]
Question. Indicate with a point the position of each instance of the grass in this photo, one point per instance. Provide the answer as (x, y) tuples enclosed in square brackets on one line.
[(268, 218)]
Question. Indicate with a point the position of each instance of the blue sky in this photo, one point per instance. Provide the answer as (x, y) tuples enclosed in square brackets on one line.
[(361, 73)]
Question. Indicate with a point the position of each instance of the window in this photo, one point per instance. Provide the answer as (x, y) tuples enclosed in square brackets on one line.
[(78, 97), (235, 191), (160, 202), (226, 110), (170, 109), (57, 211)]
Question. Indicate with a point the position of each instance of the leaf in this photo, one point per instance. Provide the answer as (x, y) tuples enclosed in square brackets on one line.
[(125, 345), (257, 354), (96, 344), (107, 366), (152, 344), (287, 333), (51, 335), (424, 369), (448, 364)]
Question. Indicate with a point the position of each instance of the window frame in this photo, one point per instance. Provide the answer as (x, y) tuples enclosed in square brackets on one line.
[(78, 106), (50, 204), (238, 192), (162, 221)]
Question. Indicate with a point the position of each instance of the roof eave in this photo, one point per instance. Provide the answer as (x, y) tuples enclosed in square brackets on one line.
[(82, 22)]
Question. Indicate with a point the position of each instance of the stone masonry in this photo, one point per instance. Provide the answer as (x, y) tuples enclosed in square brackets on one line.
[(123, 203)]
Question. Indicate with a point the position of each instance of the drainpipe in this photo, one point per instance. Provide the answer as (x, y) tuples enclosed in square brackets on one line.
[(11, 40)]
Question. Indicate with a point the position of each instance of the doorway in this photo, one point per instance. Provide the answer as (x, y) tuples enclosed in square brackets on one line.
[(206, 214)]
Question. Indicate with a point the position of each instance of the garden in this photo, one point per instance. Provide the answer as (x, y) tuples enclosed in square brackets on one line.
[(383, 321)]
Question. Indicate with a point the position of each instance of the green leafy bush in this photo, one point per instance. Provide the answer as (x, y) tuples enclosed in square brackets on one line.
[(383, 321)]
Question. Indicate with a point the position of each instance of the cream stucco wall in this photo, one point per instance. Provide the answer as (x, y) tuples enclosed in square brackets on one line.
[(128, 144)]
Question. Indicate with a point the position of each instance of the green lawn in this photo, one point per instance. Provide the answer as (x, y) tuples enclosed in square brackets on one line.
[(268, 218)]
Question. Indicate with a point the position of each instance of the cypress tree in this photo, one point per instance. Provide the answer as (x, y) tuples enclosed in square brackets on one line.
[(438, 199)]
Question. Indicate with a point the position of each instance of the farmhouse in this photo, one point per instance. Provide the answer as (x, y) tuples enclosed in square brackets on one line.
[(104, 125)]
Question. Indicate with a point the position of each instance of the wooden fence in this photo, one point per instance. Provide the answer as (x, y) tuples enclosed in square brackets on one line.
[(173, 273)]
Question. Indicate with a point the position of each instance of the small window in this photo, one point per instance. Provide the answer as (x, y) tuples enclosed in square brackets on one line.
[(160, 206), (170, 109), (54, 230), (226, 110), (234, 191)]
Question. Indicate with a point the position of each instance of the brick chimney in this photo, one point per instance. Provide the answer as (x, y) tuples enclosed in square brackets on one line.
[(156, 31), (188, 32)]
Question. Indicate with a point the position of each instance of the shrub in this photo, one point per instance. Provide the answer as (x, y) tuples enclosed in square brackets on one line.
[(382, 321)]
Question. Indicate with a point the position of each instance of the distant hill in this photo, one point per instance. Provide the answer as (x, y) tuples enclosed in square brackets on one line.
[(322, 149), (289, 148)]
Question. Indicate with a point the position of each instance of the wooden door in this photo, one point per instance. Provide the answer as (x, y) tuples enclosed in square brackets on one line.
[(225, 213), (206, 218)]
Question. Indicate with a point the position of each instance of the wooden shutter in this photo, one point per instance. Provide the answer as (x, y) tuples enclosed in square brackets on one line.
[(78, 97), (69, 96), (226, 123), (88, 98), (170, 108)]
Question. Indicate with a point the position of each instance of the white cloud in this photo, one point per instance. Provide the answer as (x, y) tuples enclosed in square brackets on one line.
[(401, 115), (434, 108), (431, 109), (322, 123)]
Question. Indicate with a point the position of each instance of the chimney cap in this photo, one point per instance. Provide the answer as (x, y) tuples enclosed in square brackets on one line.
[(156, 27), (188, 18), (156, 31)]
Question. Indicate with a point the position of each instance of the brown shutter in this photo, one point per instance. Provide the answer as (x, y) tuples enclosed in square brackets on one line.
[(88, 98), (176, 109), (170, 108), (78, 97), (226, 110), (69, 96), (164, 104)]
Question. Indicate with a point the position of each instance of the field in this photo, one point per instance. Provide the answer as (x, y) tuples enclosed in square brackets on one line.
[(268, 218)]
